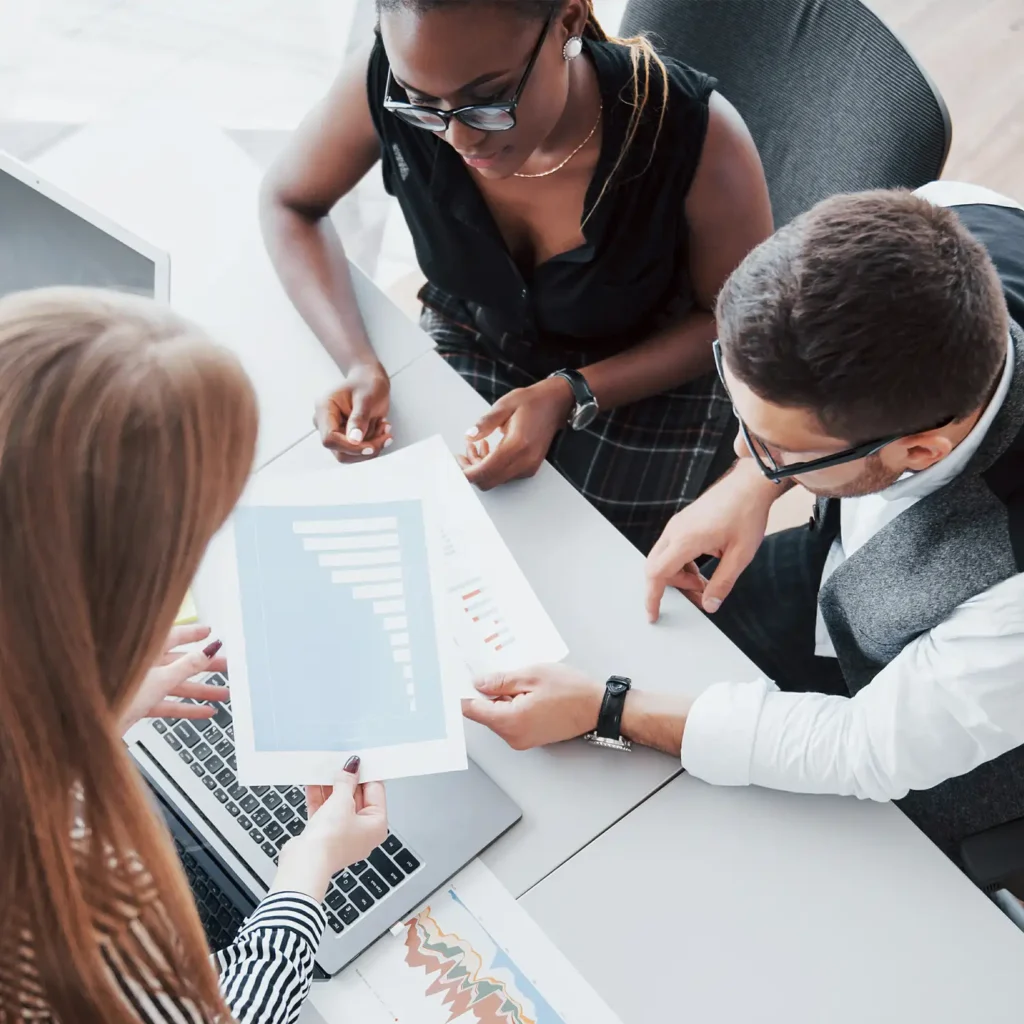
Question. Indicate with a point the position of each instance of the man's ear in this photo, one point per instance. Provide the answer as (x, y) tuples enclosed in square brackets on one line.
[(925, 449)]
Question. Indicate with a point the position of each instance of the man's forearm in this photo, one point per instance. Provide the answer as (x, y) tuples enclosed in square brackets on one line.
[(665, 360), (759, 484), (655, 719)]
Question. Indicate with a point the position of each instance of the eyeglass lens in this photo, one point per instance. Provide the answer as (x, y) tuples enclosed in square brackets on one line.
[(484, 119)]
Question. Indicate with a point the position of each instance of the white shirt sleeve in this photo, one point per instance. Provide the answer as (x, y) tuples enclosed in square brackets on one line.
[(950, 701)]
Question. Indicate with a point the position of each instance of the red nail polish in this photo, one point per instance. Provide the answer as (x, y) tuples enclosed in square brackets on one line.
[(352, 764), (211, 649)]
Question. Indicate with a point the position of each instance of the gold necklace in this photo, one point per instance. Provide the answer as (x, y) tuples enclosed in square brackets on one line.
[(558, 167)]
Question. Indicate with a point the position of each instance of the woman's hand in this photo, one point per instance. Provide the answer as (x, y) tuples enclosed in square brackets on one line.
[(172, 676), (346, 821), (528, 419), (352, 421)]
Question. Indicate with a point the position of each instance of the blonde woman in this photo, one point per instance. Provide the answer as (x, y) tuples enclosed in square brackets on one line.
[(576, 203), (125, 441)]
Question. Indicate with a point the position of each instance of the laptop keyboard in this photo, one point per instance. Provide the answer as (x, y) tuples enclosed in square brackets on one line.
[(273, 814), (220, 917)]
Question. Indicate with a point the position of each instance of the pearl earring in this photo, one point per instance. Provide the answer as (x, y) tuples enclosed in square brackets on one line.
[(573, 48)]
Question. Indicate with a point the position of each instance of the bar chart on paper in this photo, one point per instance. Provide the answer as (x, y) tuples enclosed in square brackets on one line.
[(481, 628), (338, 616)]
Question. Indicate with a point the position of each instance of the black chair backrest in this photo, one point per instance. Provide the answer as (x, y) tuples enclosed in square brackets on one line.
[(832, 98)]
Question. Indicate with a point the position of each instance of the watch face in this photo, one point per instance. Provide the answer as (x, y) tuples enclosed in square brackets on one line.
[(584, 415)]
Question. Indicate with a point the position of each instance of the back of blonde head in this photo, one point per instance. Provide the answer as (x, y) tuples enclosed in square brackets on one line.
[(125, 440)]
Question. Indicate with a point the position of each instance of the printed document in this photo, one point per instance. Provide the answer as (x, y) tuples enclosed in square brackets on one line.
[(498, 622), (470, 955), (334, 613)]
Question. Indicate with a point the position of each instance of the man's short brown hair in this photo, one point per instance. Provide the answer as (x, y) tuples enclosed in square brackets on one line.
[(878, 311)]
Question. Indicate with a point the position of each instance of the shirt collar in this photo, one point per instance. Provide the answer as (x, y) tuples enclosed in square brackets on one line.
[(920, 485)]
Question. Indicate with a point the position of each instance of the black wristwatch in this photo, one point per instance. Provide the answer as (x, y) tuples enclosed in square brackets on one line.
[(609, 722), (586, 409)]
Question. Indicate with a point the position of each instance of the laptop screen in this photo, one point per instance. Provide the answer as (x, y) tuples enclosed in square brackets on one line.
[(43, 243)]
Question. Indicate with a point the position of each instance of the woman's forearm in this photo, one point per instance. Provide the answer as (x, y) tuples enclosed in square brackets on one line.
[(665, 360), (310, 261)]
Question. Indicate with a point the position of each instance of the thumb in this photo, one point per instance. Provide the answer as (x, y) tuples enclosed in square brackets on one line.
[(347, 779), (359, 418), (501, 684), (724, 578), (496, 416)]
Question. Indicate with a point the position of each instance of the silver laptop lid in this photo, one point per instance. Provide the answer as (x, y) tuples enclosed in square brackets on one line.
[(49, 238)]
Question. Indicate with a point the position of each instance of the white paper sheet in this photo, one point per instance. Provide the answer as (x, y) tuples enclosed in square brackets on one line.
[(498, 621), (333, 610), (470, 955)]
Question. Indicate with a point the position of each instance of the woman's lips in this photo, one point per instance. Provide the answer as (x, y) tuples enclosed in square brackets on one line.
[(483, 162)]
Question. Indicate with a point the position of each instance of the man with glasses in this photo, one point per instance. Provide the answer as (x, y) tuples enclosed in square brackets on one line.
[(873, 353)]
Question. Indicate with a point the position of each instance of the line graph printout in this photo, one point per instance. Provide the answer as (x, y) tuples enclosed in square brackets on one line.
[(471, 955), (343, 632)]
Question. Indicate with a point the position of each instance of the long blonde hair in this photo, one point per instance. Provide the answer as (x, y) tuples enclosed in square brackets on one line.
[(649, 72), (125, 440)]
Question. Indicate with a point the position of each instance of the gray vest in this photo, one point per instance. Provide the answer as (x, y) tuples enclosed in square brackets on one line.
[(949, 547)]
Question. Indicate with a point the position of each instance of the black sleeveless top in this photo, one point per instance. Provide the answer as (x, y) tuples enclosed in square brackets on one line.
[(608, 293)]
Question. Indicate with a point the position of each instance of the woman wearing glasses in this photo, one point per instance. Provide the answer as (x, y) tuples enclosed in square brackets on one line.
[(575, 202)]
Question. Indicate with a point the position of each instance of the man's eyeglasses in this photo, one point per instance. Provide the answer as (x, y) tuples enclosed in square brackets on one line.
[(776, 473), (484, 117)]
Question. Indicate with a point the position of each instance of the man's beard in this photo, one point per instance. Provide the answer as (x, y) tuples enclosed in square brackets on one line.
[(875, 477)]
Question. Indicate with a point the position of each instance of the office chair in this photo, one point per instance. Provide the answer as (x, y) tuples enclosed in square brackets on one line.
[(994, 861), (832, 98)]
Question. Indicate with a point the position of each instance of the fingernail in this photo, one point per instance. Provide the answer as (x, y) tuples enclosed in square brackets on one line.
[(389, 442), (355, 435), (712, 604), (472, 432), (352, 764), (367, 451), (211, 649)]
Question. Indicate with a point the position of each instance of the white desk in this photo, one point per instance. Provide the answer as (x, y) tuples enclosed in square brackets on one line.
[(728, 906), (703, 904), (591, 581), (185, 187)]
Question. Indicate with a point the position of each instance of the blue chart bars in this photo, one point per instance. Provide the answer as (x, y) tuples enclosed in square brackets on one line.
[(340, 636)]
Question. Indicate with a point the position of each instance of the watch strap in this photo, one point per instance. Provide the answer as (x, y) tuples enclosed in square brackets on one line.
[(581, 393), (609, 721)]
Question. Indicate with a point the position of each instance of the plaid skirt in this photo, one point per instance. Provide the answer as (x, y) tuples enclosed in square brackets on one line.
[(638, 464)]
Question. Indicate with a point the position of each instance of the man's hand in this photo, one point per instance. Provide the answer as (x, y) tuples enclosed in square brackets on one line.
[(172, 676), (352, 421), (528, 419), (729, 522), (537, 706)]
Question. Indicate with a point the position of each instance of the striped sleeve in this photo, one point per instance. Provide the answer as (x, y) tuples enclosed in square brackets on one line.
[(266, 972)]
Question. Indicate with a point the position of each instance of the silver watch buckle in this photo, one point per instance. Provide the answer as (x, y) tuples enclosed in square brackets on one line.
[(621, 743)]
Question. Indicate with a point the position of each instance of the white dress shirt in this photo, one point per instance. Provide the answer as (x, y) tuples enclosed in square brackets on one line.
[(951, 700)]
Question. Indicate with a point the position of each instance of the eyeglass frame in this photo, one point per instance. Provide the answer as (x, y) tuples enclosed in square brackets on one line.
[(509, 106), (777, 473)]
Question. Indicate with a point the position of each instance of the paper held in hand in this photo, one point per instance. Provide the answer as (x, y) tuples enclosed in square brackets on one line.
[(357, 603)]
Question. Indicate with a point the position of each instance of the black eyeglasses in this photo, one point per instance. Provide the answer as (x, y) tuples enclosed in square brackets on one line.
[(776, 473), (484, 117)]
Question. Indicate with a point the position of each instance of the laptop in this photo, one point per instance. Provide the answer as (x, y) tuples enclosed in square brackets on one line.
[(229, 836), (49, 238)]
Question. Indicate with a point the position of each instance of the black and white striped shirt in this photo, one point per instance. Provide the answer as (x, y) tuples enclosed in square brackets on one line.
[(265, 973)]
